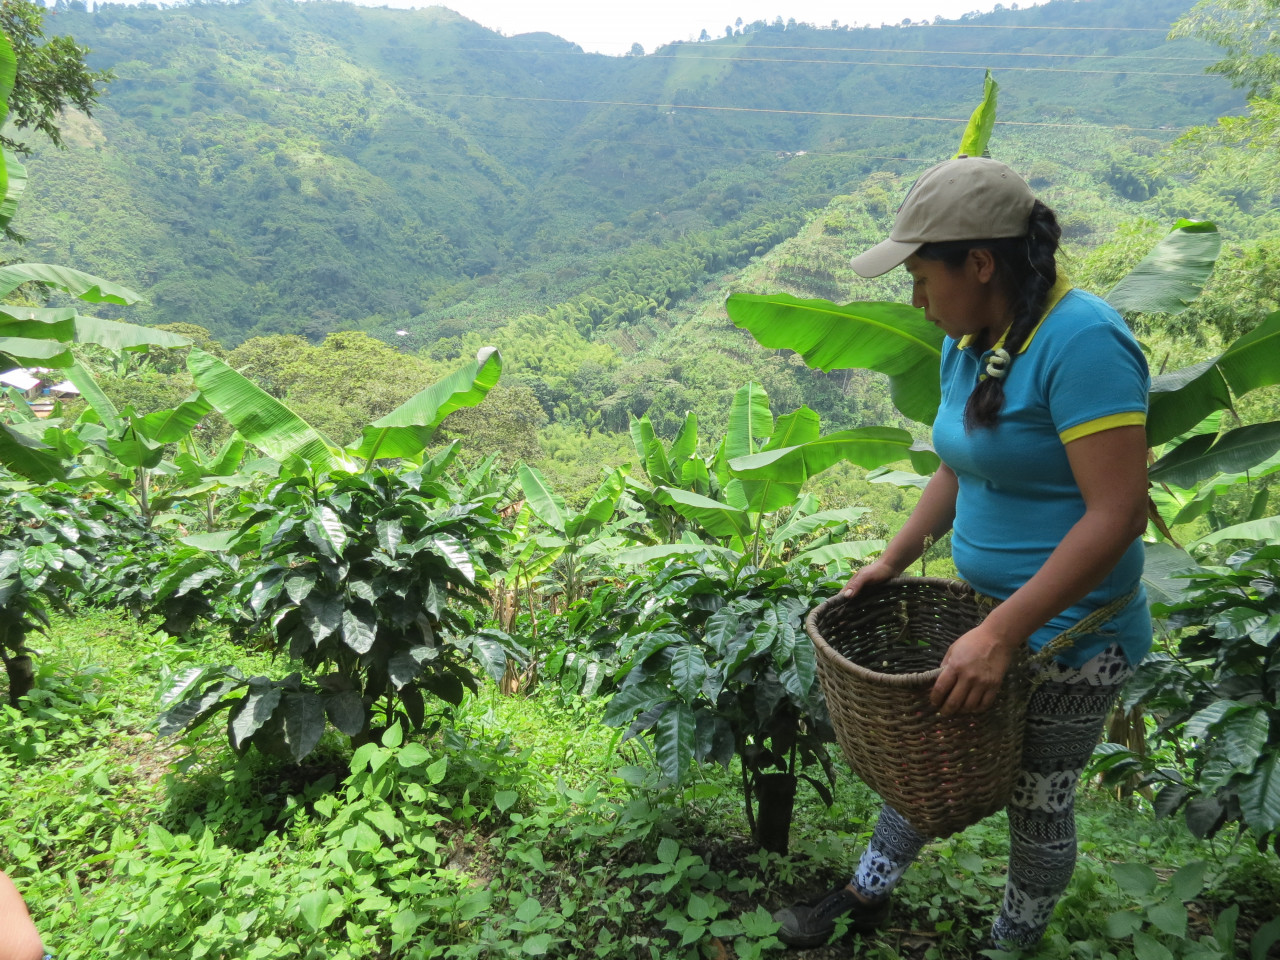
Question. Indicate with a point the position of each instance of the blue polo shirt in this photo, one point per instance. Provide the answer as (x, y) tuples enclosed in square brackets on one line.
[(1080, 372)]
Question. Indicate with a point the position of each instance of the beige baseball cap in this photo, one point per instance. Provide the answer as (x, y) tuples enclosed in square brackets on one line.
[(967, 198)]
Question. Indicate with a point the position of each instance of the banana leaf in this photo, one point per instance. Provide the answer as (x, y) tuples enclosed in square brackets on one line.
[(8, 74), (868, 447), (79, 284), (750, 419), (685, 444), (170, 426), (1181, 399), (1206, 455), (717, 519), (834, 552), (406, 430), (29, 352), (118, 336), (29, 457), (1171, 275), (261, 419), (977, 132), (14, 177), (599, 508), (98, 401), (767, 494), (891, 338), (546, 504), (1266, 530)]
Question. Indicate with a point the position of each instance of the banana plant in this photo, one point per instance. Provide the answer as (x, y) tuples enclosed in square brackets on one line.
[(761, 466), (404, 433), (573, 536)]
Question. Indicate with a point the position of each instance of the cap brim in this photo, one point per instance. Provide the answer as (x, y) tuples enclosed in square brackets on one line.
[(883, 257)]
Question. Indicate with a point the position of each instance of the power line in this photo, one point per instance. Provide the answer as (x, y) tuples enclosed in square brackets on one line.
[(942, 66), (560, 51), (775, 110), (831, 114)]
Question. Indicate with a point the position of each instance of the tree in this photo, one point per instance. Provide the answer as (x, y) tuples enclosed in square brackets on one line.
[(636, 50), (704, 36), (1249, 32), (52, 74)]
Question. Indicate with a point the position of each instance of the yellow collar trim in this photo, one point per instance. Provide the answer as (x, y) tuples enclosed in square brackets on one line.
[(1059, 290)]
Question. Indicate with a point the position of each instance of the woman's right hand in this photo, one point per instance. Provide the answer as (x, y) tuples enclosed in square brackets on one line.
[(878, 571)]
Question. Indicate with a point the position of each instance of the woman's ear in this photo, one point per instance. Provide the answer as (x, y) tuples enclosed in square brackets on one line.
[(982, 263)]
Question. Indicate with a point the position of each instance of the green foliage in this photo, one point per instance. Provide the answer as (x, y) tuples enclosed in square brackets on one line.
[(1216, 693), (51, 74), (363, 580), (46, 544)]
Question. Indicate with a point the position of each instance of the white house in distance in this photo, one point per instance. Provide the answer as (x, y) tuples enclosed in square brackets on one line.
[(38, 387)]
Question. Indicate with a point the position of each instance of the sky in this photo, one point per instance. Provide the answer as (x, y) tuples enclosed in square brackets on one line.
[(612, 26)]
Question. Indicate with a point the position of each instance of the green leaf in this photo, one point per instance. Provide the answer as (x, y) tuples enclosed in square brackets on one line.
[(1266, 530), (750, 419), (977, 132), (538, 944), (30, 352), (1181, 399), (252, 712), (1123, 923), (80, 285), (545, 503), (326, 530), (1172, 274), (673, 741), (664, 551), (1170, 917), (170, 426), (260, 418), (1162, 561), (303, 722), (346, 711), (1260, 796), (528, 910), (685, 444), (759, 923), (13, 184), (835, 552), (1147, 947), (599, 509), (28, 457), (866, 446), (1187, 883), (413, 755), (1206, 454), (406, 430), (358, 633), (504, 800), (717, 519), (629, 701), (688, 670), (93, 395), (1135, 879), (891, 338), (1244, 735)]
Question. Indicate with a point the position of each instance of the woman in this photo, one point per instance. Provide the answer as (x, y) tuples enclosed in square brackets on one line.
[(1044, 487)]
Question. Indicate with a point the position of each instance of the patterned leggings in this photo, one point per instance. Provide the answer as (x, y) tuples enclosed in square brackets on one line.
[(1064, 721)]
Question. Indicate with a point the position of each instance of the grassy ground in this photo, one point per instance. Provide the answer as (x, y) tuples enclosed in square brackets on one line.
[(523, 829)]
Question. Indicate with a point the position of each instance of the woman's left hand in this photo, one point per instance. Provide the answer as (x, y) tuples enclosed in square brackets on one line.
[(972, 671)]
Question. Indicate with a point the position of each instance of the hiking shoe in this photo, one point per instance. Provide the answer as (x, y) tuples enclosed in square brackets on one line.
[(811, 924)]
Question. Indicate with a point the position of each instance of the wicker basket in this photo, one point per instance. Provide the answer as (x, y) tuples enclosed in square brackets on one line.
[(878, 656)]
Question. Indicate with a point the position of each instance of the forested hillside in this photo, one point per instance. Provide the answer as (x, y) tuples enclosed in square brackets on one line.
[(279, 167)]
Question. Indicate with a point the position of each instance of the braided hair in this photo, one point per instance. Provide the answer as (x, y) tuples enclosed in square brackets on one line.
[(1025, 270)]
